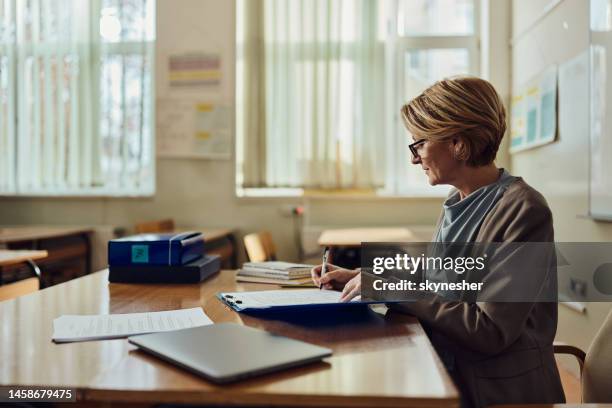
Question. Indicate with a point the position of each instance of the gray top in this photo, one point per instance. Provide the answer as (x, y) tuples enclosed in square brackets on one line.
[(460, 222), (462, 218)]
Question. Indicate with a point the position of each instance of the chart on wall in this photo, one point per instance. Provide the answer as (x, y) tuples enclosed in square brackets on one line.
[(193, 129), (534, 112), (194, 70)]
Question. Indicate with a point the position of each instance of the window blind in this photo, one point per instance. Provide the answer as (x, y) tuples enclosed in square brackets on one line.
[(77, 97)]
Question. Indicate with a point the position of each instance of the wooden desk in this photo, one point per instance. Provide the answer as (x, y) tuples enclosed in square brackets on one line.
[(26, 285), (12, 257), (353, 237), (575, 405), (378, 361), (69, 251), (345, 244), (12, 234)]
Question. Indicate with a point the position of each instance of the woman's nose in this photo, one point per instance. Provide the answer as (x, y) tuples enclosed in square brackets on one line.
[(416, 160)]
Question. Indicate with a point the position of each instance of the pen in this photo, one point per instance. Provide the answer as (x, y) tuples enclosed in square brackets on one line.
[(324, 266)]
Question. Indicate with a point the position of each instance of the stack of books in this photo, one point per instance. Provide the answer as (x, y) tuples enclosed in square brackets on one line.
[(276, 272)]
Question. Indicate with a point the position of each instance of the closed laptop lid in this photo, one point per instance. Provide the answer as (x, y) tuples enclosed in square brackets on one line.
[(228, 352)]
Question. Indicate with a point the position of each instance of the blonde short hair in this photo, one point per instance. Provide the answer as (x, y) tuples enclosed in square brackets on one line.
[(467, 108)]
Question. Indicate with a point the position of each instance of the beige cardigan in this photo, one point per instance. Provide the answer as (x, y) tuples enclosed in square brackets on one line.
[(502, 352)]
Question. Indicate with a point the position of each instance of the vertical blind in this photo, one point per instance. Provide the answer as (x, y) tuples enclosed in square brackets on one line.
[(76, 97)]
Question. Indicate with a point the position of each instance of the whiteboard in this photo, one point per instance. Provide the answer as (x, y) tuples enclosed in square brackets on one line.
[(600, 167)]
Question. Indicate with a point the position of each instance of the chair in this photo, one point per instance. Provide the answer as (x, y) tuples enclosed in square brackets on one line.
[(166, 225), (21, 287), (595, 366), (259, 247)]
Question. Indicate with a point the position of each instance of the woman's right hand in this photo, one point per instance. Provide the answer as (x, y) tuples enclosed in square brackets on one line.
[(334, 278)]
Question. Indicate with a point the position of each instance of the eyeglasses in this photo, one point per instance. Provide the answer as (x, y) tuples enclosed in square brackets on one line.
[(414, 147)]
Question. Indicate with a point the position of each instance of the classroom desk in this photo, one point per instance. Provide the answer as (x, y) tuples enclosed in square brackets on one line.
[(378, 361), (12, 257), (345, 244), (68, 247), (353, 237), (575, 405), (24, 286), (36, 233)]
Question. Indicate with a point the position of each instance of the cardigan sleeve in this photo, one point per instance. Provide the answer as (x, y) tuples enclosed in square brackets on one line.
[(489, 327)]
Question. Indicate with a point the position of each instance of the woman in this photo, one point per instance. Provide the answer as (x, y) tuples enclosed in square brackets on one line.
[(495, 352)]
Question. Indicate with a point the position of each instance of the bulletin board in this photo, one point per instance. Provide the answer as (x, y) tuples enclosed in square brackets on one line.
[(534, 112)]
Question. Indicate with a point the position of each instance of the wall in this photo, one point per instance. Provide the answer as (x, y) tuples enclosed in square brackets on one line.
[(201, 192), (559, 170)]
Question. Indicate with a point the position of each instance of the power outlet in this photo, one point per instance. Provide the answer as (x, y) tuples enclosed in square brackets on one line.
[(291, 210), (578, 287)]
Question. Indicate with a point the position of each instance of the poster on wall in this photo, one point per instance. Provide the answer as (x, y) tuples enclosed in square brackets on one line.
[(193, 129), (534, 112), (194, 70)]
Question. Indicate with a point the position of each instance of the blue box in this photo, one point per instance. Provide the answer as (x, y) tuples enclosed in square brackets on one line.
[(156, 249)]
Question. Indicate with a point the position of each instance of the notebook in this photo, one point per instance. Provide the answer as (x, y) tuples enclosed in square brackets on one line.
[(305, 282), (276, 269), (287, 299), (229, 352)]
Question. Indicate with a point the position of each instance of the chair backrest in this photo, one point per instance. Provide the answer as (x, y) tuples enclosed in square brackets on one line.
[(19, 288), (166, 225), (597, 371), (260, 247)]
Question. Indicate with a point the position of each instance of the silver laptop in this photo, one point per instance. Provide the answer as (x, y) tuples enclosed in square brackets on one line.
[(229, 352)]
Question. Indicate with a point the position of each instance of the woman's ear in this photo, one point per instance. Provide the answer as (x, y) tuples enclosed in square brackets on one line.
[(460, 151)]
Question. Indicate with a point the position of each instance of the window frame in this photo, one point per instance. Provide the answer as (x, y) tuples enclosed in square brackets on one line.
[(397, 143)]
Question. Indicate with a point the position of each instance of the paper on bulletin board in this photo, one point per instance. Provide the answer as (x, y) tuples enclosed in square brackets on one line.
[(533, 115), (548, 106), (535, 105), (518, 123), (193, 129), (194, 69)]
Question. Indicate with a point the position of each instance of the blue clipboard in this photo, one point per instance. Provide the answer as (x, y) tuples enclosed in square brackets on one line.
[(232, 299)]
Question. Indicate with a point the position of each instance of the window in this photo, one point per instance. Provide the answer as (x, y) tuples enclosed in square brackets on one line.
[(429, 40), (320, 84), (76, 97)]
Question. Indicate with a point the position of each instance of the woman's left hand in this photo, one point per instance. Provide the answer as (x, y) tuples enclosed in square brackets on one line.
[(351, 289)]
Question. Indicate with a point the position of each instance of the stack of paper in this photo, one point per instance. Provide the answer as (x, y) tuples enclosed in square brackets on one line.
[(275, 272), (69, 328)]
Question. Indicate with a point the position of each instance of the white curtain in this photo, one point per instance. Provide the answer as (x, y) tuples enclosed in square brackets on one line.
[(78, 87), (311, 76), (7, 95)]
